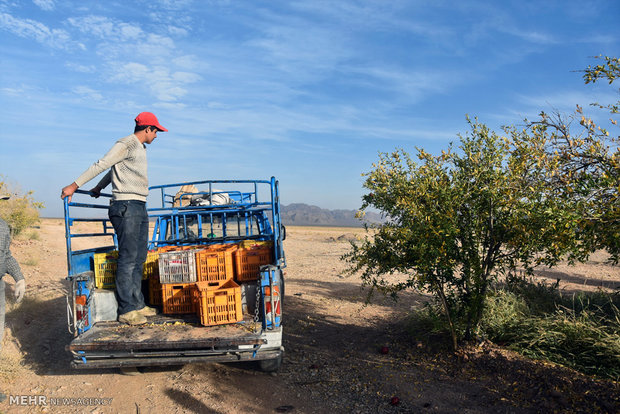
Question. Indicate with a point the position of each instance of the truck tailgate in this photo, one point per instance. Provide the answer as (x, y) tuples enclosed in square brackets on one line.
[(164, 332)]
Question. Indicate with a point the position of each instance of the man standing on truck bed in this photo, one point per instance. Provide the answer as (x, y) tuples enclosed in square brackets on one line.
[(128, 175)]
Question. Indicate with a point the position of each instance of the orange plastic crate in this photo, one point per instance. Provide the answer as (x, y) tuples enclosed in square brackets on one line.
[(178, 298), (214, 265), (155, 291), (220, 306), (167, 249), (249, 261)]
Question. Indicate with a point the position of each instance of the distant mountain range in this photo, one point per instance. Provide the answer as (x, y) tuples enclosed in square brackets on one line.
[(299, 214)]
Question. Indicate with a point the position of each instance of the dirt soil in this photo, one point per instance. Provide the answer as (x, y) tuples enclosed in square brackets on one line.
[(333, 361)]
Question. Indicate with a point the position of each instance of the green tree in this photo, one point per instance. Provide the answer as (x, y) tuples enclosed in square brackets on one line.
[(21, 211), (587, 156), (457, 221)]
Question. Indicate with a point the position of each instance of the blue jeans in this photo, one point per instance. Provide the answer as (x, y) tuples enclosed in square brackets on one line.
[(131, 225)]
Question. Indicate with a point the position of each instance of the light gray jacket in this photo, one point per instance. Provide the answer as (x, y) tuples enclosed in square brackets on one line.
[(8, 264)]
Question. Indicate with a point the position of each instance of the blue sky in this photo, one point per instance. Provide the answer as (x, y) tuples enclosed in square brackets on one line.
[(308, 91)]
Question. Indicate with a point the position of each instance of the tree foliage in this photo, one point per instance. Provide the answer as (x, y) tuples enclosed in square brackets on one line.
[(21, 210), (609, 70), (457, 220), (588, 158), (488, 207)]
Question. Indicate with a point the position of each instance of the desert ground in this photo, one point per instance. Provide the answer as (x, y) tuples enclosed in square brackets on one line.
[(332, 362)]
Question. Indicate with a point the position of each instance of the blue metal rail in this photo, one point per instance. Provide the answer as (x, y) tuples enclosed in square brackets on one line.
[(253, 214), (79, 261)]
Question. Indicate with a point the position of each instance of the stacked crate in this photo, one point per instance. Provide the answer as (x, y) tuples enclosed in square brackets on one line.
[(177, 266), (177, 274), (151, 273), (199, 281), (217, 296), (248, 260), (187, 279), (195, 279), (218, 306), (214, 264)]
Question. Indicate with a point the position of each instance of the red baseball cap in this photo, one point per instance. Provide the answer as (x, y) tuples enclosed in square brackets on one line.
[(149, 119)]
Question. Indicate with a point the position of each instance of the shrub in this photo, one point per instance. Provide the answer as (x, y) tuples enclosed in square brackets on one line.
[(21, 211)]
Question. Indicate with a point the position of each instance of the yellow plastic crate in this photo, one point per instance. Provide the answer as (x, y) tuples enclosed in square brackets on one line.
[(250, 244), (151, 265), (105, 269), (220, 306)]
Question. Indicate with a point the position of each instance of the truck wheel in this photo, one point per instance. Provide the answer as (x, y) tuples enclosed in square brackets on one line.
[(270, 365)]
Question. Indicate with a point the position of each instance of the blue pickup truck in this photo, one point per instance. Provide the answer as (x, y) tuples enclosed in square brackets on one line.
[(183, 216)]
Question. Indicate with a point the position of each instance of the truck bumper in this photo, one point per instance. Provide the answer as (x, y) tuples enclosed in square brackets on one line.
[(84, 361)]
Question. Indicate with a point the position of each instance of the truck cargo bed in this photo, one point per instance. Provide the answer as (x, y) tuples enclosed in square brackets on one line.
[(167, 340), (166, 332)]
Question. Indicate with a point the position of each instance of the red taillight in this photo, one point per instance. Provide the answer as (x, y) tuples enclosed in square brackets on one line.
[(81, 310), (276, 301)]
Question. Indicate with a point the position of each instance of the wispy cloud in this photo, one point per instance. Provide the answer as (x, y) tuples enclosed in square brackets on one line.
[(380, 16), (121, 45), (31, 29), (177, 31), (409, 85), (608, 40), (188, 62), (531, 36), (115, 39), (13, 92), (564, 101), (106, 28), (87, 93), (46, 5), (303, 49), (81, 68), (166, 86)]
